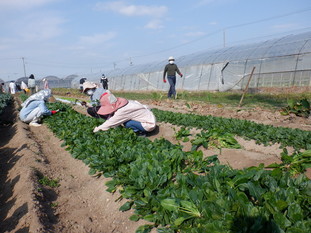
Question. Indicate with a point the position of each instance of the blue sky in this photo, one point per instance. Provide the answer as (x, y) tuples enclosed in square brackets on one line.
[(64, 37)]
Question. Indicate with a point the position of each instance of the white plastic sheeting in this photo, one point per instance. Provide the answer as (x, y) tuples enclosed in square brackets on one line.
[(281, 62)]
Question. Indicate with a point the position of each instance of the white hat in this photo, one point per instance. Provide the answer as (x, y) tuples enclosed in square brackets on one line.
[(88, 85), (171, 58)]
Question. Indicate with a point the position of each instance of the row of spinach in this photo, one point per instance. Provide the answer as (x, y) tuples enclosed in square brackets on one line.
[(5, 100), (295, 163), (178, 191), (262, 134)]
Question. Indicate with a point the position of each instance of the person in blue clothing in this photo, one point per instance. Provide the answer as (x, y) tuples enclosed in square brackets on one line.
[(94, 92), (34, 108)]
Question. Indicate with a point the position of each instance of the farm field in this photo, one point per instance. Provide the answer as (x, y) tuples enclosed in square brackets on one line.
[(77, 201)]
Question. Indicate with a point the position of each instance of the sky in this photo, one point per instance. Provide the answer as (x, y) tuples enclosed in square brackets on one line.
[(65, 37)]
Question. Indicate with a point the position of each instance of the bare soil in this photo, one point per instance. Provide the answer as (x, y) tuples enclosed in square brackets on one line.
[(80, 203)]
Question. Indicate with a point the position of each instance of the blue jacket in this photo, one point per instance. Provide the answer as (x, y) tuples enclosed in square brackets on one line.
[(96, 96), (26, 110)]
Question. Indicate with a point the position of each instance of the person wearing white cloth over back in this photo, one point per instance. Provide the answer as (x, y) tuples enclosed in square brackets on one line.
[(24, 87), (129, 113), (34, 108)]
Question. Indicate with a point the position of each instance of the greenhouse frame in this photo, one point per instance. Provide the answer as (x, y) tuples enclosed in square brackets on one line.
[(282, 62)]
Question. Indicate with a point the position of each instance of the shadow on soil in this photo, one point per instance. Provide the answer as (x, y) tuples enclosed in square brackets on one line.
[(8, 158), (47, 197)]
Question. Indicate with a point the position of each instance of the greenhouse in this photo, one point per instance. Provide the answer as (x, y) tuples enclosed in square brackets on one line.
[(282, 62)]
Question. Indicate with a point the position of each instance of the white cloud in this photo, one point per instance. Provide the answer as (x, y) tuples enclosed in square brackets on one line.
[(195, 34), (41, 28), (154, 24), (210, 2), (96, 38), (206, 2), (133, 10), (19, 4), (5, 43)]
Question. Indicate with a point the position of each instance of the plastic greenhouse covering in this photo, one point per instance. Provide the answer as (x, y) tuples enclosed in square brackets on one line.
[(282, 62)]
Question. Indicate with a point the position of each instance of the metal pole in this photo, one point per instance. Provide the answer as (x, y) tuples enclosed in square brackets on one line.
[(246, 88), (24, 66)]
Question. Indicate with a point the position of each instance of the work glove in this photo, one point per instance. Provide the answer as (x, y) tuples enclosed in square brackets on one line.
[(164, 80), (54, 111)]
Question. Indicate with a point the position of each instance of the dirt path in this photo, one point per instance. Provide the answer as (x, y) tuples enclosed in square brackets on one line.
[(18, 205), (80, 202)]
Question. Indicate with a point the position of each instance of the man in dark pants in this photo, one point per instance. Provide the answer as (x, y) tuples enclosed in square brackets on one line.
[(104, 82), (171, 69)]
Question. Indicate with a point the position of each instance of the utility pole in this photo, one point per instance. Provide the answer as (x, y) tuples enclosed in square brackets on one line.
[(24, 66)]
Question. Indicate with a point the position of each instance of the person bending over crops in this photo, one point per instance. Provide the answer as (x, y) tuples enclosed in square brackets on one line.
[(94, 92), (34, 108), (129, 113)]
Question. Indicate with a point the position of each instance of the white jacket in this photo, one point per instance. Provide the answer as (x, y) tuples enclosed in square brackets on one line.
[(132, 111)]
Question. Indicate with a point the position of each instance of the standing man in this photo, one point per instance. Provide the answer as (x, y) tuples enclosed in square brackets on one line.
[(171, 69), (104, 81), (32, 84)]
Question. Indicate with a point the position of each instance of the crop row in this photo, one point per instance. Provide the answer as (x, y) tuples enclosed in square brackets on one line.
[(262, 134), (5, 99), (180, 191)]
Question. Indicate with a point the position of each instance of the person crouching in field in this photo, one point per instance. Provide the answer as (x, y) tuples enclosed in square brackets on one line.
[(34, 108), (129, 113), (94, 92)]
